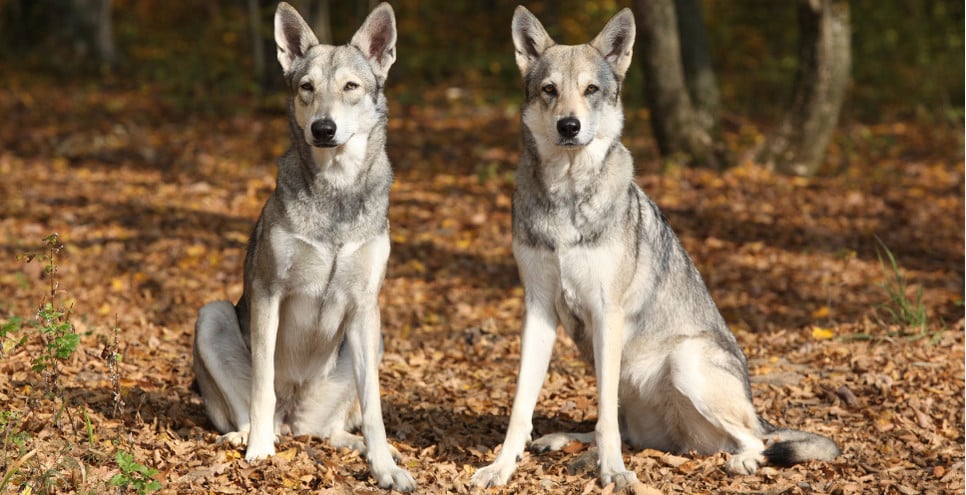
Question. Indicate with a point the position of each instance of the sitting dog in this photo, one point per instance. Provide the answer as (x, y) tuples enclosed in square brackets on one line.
[(300, 350), (596, 255)]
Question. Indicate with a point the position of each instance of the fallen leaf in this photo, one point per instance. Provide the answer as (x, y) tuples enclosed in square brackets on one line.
[(822, 333)]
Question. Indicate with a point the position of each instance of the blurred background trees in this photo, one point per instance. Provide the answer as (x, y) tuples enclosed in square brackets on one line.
[(792, 68), (679, 80), (798, 143), (81, 30)]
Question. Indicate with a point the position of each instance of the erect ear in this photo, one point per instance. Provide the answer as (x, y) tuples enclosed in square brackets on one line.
[(293, 36), (376, 38), (530, 39), (616, 42)]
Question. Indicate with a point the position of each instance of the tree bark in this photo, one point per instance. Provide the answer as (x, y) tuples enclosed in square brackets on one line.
[(798, 144), (678, 128), (88, 26), (316, 13), (259, 64), (696, 60), (106, 49)]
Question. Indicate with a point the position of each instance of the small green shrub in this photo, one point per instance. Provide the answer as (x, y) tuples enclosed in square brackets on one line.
[(134, 476)]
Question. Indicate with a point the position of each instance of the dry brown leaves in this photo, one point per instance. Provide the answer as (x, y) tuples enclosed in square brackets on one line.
[(154, 212)]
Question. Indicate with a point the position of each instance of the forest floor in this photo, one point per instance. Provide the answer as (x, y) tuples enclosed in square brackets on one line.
[(153, 208)]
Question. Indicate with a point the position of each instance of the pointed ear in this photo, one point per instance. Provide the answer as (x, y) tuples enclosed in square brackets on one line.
[(616, 42), (376, 38), (293, 36), (530, 39)]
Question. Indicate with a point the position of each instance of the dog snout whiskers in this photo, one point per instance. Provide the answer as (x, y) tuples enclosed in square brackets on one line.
[(323, 131), (568, 127)]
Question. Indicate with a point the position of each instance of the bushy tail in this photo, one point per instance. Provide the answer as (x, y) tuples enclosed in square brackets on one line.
[(787, 446)]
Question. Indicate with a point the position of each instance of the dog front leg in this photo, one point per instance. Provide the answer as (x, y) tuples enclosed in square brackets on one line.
[(362, 335), (608, 347), (264, 331), (536, 347)]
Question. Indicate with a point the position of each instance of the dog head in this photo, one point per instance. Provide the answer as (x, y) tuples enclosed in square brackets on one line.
[(336, 88), (573, 92)]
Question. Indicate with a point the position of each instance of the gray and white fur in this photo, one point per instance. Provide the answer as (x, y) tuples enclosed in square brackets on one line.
[(596, 255), (300, 350)]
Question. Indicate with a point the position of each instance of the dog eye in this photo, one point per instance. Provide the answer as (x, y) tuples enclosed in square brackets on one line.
[(307, 86), (349, 86), (549, 89), (591, 90)]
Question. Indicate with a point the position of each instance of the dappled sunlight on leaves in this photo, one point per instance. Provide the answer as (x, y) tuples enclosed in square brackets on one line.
[(155, 214)]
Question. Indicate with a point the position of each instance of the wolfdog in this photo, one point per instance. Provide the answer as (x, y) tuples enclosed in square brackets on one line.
[(596, 255), (300, 350)]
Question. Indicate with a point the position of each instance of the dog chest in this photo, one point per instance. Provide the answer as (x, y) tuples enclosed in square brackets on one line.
[(310, 266), (311, 270), (579, 282), (310, 334), (321, 283), (325, 286)]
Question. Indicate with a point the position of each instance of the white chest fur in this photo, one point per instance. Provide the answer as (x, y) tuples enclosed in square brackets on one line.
[(323, 284), (576, 281)]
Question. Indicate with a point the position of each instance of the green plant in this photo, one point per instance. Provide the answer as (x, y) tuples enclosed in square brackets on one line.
[(52, 321), (59, 338), (9, 423), (89, 429), (134, 476), (58, 342), (900, 309)]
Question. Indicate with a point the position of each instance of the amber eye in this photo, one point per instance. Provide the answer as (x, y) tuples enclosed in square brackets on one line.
[(591, 90), (349, 86), (306, 86), (549, 89)]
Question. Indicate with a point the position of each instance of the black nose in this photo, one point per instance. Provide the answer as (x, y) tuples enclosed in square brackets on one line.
[(323, 130), (568, 127)]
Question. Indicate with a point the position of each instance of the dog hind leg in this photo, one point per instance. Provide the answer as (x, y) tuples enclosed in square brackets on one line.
[(716, 413), (222, 364)]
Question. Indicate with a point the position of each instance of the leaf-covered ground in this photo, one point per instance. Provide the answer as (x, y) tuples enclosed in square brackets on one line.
[(154, 208)]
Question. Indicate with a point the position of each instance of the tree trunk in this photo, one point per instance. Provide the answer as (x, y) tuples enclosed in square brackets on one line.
[(696, 59), (106, 49), (258, 42), (88, 26), (322, 22), (799, 142), (679, 130), (316, 13)]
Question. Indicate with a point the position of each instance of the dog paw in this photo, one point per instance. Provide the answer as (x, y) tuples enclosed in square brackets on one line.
[(551, 442), (492, 475), (345, 440), (259, 449), (396, 455), (283, 429), (234, 438), (259, 454), (394, 478), (622, 480), (743, 463)]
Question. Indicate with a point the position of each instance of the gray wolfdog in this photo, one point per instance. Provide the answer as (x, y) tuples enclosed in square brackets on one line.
[(595, 254), (300, 351)]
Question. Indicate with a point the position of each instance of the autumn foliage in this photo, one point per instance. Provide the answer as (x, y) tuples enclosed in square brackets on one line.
[(153, 202)]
